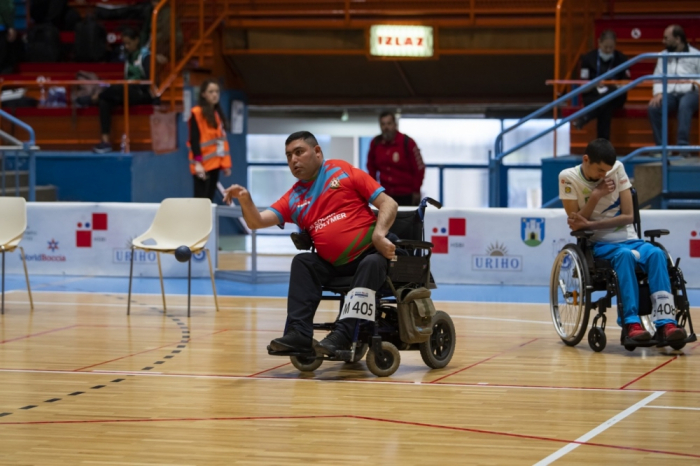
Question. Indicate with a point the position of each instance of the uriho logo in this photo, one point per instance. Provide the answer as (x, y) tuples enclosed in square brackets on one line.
[(497, 259), (120, 256)]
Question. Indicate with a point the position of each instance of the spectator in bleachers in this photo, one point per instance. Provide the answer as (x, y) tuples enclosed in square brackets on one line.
[(137, 67), (209, 149), (682, 97), (55, 12), (8, 34), (594, 64)]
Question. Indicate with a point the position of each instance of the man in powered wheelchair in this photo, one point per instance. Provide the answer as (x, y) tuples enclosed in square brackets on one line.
[(355, 258), (610, 256)]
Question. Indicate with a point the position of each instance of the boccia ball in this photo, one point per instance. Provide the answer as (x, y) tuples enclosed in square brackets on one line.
[(183, 254)]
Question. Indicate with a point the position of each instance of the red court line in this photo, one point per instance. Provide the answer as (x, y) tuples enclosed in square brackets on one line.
[(483, 361), (524, 436), (37, 334), (364, 418), (271, 369), (653, 370), (145, 351)]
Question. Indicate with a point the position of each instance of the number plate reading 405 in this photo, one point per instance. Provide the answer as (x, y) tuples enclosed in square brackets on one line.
[(359, 304)]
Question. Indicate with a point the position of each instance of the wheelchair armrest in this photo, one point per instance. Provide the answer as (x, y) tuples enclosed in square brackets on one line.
[(582, 233), (414, 243), (656, 233)]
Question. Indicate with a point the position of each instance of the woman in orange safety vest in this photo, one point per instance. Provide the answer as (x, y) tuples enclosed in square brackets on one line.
[(209, 151)]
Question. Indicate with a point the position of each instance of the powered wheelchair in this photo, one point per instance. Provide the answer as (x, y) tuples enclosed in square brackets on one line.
[(576, 275), (406, 318)]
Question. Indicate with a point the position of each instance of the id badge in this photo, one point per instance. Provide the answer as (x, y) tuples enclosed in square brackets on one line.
[(220, 148), (360, 303)]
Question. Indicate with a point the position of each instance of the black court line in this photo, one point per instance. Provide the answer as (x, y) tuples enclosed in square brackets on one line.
[(185, 334)]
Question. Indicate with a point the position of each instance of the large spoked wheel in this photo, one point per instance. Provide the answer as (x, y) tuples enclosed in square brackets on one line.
[(308, 364), (385, 364), (439, 349), (569, 294)]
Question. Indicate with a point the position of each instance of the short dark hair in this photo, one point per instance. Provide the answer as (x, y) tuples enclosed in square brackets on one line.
[(308, 138), (607, 34), (130, 33), (386, 114), (679, 33), (600, 150)]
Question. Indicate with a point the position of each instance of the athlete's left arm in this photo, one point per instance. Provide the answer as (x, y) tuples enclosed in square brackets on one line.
[(579, 222), (385, 219)]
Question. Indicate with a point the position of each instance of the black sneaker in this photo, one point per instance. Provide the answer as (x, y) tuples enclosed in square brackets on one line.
[(293, 341), (102, 148), (333, 342)]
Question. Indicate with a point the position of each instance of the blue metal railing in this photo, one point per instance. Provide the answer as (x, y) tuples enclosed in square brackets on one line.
[(496, 167), (29, 147)]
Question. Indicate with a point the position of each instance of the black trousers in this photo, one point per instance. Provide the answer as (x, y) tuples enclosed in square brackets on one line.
[(206, 187), (113, 96), (309, 273), (604, 113)]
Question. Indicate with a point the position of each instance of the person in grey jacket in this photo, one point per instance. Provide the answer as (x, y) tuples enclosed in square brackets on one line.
[(682, 97)]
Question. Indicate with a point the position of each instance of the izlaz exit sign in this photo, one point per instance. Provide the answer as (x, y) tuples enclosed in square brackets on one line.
[(401, 41)]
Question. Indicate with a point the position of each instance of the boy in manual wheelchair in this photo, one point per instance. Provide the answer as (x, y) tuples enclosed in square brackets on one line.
[(598, 200), (352, 255)]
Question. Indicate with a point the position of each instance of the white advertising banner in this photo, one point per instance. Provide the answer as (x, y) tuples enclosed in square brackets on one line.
[(84, 238), (518, 246)]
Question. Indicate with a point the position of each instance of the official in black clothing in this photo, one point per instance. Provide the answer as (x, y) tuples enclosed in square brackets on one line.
[(594, 64)]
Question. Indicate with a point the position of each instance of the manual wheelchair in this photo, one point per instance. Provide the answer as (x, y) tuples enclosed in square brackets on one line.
[(405, 317), (576, 275)]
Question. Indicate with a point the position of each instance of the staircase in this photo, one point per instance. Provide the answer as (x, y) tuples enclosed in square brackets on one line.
[(20, 179)]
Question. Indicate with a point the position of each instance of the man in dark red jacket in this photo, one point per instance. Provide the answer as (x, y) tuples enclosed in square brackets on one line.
[(397, 159)]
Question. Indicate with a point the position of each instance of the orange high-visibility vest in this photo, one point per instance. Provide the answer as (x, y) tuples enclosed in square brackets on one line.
[(213, 143)]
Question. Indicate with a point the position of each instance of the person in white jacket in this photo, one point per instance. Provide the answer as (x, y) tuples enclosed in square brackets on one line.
[(682, 97)]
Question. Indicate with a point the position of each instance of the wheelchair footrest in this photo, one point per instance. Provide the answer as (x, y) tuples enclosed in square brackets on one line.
[(639, 344), (343, 355), (304, 354)]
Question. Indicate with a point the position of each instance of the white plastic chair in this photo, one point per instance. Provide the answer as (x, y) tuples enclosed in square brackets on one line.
[(178, 222), (13, 212)]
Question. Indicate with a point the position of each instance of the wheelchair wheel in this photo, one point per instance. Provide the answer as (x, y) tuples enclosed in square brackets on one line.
[(597, 339), (307, 364), (387, 363), (569, 295), (677, 345), (438, 350)]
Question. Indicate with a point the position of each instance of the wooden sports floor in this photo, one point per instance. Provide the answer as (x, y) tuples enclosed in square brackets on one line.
[(83, 384)]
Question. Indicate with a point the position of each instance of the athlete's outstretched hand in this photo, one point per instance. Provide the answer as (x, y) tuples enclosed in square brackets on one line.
[(235, 191)]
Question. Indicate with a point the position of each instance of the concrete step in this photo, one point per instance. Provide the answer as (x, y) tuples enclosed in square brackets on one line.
[(43, 193)]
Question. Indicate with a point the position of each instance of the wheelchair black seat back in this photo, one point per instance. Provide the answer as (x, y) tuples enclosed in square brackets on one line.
[(576, 275), (406, 317)]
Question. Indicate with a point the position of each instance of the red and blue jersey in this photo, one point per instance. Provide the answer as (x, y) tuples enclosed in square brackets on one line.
[(334, 209)]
